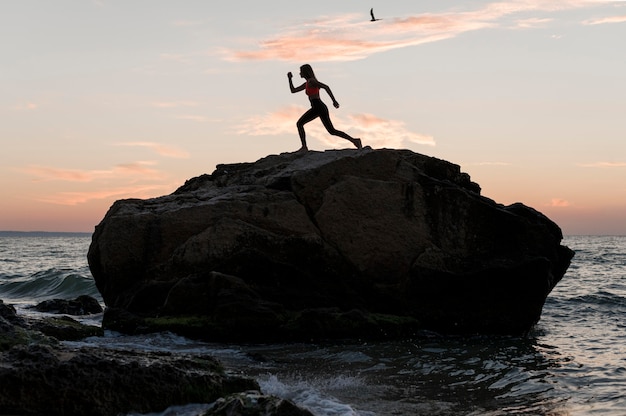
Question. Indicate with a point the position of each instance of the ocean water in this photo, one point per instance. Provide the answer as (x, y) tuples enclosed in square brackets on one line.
[(572, 363)]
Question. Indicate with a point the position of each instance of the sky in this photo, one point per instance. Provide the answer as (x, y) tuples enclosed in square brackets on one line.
[(103, 100)]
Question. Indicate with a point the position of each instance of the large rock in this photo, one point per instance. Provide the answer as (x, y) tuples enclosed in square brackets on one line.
[(352, 243)]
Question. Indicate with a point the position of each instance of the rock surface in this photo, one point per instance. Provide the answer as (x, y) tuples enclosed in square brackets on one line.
[(254, 403), (45, 380), (16, 330), (82, 305), (351, 243)]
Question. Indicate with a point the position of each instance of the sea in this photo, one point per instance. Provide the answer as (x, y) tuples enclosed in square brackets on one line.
[(572, 363)]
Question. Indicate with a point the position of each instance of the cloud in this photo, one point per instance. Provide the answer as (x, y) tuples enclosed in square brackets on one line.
[(46, 173), (136, 179), (28, 106), (373, 131), (342, 39), (137, 169), (605, 20), (379, 132), (352, 36), (161, 149), (134, 171), (603, 165), (282, 121), (558, 202), (75, 198), (533, 23)]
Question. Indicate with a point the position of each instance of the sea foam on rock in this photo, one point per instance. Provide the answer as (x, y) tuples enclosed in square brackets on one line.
[(335, 244)]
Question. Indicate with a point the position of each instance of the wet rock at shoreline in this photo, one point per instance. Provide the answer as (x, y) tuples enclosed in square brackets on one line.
[(82, 305), (15, 330), (359, 244), (9, 314), (45, 380), (65, 328), (41, 376), (254, 403)]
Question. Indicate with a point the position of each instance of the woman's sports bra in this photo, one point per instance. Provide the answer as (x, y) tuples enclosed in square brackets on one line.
[(311, 90)]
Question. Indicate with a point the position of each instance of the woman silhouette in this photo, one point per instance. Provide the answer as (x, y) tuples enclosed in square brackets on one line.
[(318, 109)]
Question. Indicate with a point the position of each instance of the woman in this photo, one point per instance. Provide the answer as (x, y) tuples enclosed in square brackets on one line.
[(318, 109)]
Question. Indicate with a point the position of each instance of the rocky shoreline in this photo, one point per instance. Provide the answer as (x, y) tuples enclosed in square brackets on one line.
[(40, 375)]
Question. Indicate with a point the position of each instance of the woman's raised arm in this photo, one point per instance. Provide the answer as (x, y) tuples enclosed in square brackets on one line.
[(291, 87)]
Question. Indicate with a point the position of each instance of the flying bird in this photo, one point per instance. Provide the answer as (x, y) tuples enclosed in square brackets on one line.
[(372, 14)]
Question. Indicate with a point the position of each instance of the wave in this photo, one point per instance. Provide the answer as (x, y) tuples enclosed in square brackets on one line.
[(48, 284), (310, 395), (601, 299)]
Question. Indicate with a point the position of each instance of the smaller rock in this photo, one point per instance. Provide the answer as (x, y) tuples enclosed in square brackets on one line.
[(14, 330), (9, 314), (65, 328), (61, 381), (82, 305), (254, 403)]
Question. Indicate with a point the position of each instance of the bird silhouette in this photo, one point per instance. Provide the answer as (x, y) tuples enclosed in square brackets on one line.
[(372, 14)]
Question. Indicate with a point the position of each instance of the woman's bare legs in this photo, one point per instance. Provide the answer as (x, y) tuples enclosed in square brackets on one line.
[(322, 113)]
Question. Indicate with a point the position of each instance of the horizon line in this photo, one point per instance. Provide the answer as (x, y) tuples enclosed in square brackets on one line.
[(5, 233)]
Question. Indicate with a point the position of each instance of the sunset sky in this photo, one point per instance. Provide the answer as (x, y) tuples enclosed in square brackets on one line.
[(108, 99)]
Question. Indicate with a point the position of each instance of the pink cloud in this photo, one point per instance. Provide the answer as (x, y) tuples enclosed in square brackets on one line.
[(374, 131), (45, 173), (604, 165), (161, 149), (379, 132), (28, 106), (76, 198), (282, 121), (132, 170), (605, 20), (558, 202), (136, 170), (352, 37), (532, 23), (137, 179)]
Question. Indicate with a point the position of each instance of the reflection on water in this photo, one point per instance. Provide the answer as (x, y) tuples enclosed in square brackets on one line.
[(436, 376), (428, 376)]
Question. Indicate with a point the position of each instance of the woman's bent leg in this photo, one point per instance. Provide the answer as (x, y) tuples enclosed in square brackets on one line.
[(310, 115)]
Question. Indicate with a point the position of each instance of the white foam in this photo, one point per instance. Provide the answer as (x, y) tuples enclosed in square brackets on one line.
[(313, 395)]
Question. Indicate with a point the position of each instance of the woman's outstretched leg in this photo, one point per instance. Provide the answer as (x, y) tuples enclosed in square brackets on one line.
[(332, 130)]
